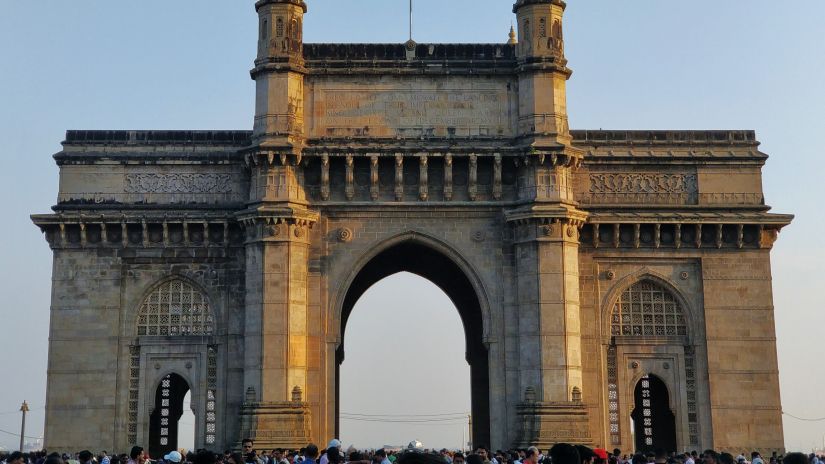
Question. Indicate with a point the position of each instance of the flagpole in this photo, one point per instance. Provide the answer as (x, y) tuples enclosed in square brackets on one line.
[(411, 18)]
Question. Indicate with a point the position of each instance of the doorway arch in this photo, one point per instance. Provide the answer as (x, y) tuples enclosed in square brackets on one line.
[(418, 257), (164, 420), (654, 422)]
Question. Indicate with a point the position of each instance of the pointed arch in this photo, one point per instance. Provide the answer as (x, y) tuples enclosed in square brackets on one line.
[(175, 306), (426, 242), (688, 310)]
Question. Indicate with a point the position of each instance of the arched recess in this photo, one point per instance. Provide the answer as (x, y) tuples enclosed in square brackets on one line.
[(429, 259), (648, 324), (174, 325)]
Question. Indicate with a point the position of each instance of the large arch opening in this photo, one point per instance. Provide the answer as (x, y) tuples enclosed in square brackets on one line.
[(424, 261)]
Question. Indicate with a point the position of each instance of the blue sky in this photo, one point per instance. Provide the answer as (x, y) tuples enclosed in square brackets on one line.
[(642, 64)]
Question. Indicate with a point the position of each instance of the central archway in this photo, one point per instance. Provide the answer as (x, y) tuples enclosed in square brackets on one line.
[(424, 260)]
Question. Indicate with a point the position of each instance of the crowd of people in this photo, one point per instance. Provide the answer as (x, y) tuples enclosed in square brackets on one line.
[(415, 453)]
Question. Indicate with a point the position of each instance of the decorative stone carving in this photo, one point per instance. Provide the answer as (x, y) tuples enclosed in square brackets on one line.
[(448, 177), (178, 183), (344, 234), (479, 236), (399, 177), (634, 183), (349, 177), (610, 274), (325, 177), (374, 177)]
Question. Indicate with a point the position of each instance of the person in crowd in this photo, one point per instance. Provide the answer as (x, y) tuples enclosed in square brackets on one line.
[(234, 458), (531, 456), (333, 449), (795, 458), (710, 457), (85, 457), (381, 456), (135, 455), (310, 454), (586, 455), (756, 458), (564, 453), (601, 456), (250, 455), (173, 457), (458, 458), (277, 457), (726, 458)]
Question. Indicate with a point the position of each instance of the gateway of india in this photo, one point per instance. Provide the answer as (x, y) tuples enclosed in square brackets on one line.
[(614, 285)]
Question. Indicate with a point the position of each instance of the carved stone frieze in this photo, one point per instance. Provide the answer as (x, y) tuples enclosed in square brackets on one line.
[(178, 183), (635, 183)]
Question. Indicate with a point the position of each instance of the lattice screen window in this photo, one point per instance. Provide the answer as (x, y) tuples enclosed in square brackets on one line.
[(647, 309), (175, 308)]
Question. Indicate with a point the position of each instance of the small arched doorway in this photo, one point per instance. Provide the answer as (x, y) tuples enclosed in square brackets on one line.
[(163, 423), (420, 259), (653, 422)]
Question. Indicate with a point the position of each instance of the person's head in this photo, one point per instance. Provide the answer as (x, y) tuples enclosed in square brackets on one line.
[(660, 456), (311, 451), (416, 457), (136, 453), (278, 454), (564, 453), (173, 456), (247, 445), (84, 456), (205, 457), (617, 452), (710, 457), (755, 455), (234, 458), (482, 452), (380, 453), (531, 455), (586, 455), (726, 458), (54, 458), (334, 443), (15, 457), (795, 458), (473, 459), (458, 458), (601, 456)]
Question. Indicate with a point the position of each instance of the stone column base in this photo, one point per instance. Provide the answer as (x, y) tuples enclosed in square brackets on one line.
[(545, 424), (276, 424)]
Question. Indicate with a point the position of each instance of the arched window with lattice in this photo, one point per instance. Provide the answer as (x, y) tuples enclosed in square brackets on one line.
[(646, 308), (175, 307)]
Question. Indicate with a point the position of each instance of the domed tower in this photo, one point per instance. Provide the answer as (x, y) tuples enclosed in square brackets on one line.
[(279, 74), (543, 75)]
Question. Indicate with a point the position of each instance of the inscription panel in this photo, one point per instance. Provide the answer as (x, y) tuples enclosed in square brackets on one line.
[(106, 183), (456, 107)]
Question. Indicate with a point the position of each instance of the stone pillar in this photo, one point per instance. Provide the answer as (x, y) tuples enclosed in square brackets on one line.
[(550, 366), (277, 223)]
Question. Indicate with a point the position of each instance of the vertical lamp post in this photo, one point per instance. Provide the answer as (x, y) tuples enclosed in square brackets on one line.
[(24, 408)]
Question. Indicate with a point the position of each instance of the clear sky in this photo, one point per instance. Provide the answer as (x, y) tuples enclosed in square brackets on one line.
[(641, 64)]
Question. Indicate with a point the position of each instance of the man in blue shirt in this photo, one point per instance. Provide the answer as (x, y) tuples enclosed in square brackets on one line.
[(311, 454)]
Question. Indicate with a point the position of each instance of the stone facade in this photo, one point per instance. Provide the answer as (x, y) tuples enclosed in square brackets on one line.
[(581, 262)]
